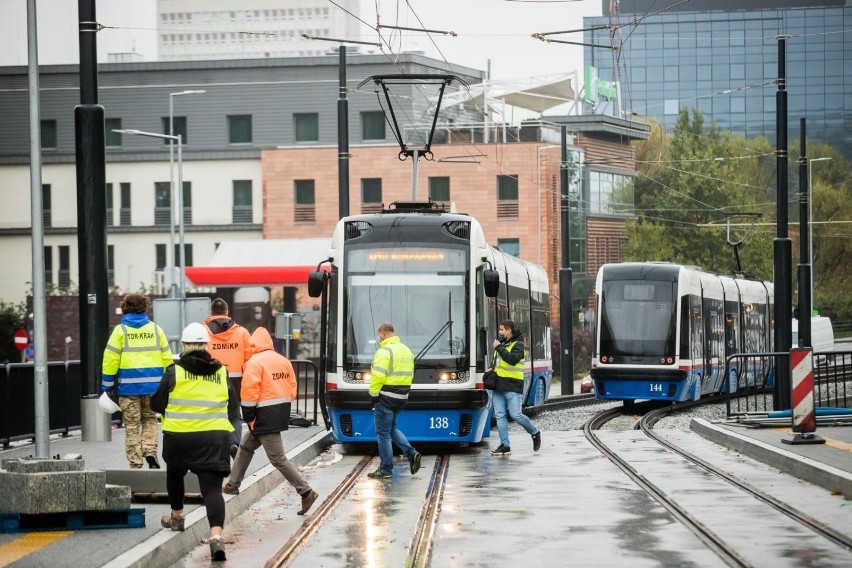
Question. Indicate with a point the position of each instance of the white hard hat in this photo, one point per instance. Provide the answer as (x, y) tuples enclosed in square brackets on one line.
[(195, 333), (107, 404)]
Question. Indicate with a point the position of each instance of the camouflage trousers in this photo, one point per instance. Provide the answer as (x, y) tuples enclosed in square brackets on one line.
[(141, 435)]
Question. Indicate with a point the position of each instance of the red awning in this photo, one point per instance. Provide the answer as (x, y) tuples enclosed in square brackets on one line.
[(249, 275), (266, 262)]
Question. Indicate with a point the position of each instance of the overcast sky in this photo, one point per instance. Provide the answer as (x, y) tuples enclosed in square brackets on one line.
[(498, 30)]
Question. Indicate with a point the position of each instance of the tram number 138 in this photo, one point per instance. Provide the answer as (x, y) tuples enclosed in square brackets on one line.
[(439, 422)]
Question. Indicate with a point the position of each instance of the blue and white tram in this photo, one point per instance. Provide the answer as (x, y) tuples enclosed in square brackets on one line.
[(434, 277), (665, 332)]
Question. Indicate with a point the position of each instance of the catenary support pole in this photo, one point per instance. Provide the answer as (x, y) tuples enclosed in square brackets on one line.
[(782, 244), (91, 225), (343, 140), (804, 272)]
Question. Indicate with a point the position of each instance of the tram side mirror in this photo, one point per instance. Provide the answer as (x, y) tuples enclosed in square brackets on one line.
[(316, 282), (491, 281)]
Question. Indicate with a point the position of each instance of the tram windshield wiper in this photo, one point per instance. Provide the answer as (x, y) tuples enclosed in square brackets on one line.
[(434, 339)]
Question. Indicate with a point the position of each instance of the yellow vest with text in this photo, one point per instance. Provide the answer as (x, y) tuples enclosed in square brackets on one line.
[(392, 372), (507, 371), (198, 403)]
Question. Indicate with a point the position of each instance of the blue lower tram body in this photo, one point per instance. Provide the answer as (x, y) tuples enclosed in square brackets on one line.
[(460, 416), (613, 383)]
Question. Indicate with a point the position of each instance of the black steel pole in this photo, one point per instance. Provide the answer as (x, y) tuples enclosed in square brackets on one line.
[(566, 312), (805, 300), (343, 140), (91, 208), (782, 244)]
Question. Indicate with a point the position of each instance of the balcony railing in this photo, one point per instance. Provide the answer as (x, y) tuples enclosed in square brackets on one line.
[(242, 214)]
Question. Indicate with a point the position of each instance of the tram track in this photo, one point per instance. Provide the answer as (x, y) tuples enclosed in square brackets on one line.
[(563, 402), (646, 424), (420, 545), (715, 542), (707, 536), (315, 521)]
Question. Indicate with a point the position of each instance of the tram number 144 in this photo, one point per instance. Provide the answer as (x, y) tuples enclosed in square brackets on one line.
[(439, 422), (656, 387)]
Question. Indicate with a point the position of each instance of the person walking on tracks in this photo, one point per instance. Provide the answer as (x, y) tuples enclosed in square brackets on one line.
[(391, 374), (230, 343), (509, 366), (135, 357), (268, 387), (198, 405)]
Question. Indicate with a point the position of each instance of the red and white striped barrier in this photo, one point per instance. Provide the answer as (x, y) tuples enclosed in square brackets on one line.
[(802, 371)]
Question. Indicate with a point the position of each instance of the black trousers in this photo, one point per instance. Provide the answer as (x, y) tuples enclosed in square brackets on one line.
[(211, 491)]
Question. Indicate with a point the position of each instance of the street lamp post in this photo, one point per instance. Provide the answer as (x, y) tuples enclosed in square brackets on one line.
[(811, 221), (182, 291), (172, 197)]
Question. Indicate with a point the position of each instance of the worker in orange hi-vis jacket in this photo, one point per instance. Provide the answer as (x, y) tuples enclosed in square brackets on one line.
[(230, 343), (268, 388)]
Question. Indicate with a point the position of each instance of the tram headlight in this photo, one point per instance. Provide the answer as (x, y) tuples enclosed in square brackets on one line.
[(357, 376), (452, 376)]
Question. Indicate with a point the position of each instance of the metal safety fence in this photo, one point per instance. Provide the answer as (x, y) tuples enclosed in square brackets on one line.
[(17, 398), (750, 384)]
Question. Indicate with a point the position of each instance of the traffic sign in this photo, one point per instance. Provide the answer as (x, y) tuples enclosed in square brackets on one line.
[(29, 352), (21, 340)]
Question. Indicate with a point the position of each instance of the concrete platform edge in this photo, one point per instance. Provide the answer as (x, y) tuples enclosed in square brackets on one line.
[(167, 547), (825, 476)]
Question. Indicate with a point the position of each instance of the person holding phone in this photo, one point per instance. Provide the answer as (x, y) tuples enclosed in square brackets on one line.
[(508, 392)]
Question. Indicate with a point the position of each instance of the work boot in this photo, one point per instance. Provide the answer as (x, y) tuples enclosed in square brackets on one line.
[(536, 441), (153, 463), (217, 548), (308, 500), (173, 522)]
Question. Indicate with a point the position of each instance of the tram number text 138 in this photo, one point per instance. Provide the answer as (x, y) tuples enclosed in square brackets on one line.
[(439, 422)]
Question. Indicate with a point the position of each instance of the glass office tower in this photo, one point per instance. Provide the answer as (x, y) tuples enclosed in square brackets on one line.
[(721, 57)]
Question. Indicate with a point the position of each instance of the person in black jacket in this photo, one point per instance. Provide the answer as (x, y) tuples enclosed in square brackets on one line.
[(198, 405), (508, 394)]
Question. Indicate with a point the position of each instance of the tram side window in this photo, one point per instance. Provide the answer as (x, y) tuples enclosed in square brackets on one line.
[(333, 310), (519, 310), (697, 329), (538, 336), (684, 328), (714, 331), (732, 329)]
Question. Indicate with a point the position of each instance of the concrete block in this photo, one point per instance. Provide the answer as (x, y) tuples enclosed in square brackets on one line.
[(95, 491), (148, 480), (37, 493), (36, 465), (117, 497)]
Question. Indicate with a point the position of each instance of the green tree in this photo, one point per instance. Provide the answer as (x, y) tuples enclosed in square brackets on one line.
[(12, 318), (690, 183)]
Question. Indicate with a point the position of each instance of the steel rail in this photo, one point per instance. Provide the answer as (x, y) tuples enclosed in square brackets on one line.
[(708, 537), (314, 521), (420, 546), (646, 424)]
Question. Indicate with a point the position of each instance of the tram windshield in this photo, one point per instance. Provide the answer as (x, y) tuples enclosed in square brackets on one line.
[(421, 291), (638, 318)]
